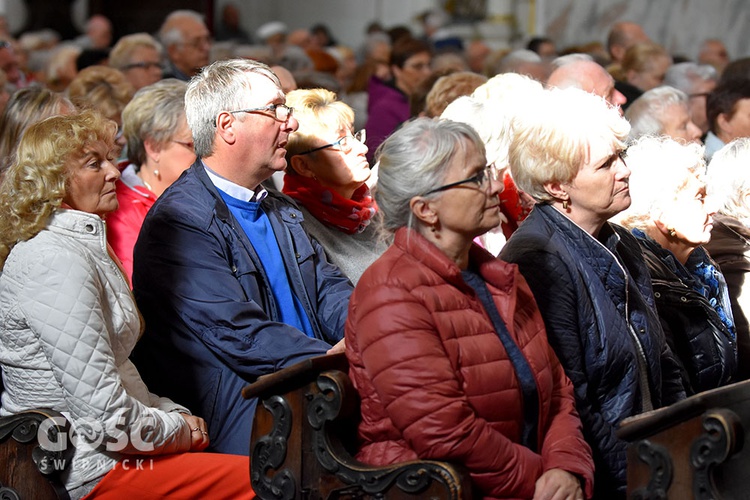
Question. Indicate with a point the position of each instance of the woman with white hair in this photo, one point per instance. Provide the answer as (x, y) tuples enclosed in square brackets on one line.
[(662, 111), (729, 185), (672, 219), (588, 276)]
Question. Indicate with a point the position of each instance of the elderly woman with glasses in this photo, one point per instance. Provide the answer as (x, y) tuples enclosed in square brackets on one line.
[(160, 148), (326, 174), (672, 219), (70, 323), (588, 276), (446, 346)]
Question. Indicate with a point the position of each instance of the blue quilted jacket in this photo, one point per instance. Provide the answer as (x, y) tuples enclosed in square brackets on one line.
[(598, 307), (212, 323)]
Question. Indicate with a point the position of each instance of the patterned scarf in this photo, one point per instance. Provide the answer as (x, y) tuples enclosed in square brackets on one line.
[(707, 284), (347, 215)]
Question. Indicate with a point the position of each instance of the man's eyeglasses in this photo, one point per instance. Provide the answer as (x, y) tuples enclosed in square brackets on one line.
[(345, 144), (701, 94), (143, 65), (198, 42), (488, 173), (281, 112)]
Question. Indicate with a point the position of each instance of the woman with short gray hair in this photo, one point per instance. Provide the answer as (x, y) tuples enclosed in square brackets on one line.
[(662, 111), (442, 338), (672, 219)]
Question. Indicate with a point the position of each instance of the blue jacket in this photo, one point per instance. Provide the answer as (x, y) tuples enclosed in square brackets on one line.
[(598, 307), (211, 320)]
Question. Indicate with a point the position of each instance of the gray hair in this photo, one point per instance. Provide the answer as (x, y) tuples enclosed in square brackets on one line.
[(413, 161), (684, 76), (729, 179), (660, 168), (561, 61), (171, 35), (646, 112), (221, 86), (121, 53), (155, 113)]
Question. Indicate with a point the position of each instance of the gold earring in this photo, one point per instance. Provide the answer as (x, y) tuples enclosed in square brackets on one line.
[(565, 204)]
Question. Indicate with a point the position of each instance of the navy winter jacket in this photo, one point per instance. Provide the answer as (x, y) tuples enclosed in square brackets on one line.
[(598, 307), (211, 319)]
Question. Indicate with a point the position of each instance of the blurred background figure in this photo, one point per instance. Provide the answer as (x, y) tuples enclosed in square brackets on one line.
[(139, 58), (445, 342), (388, 103), (159, 149), (544, 46), (672, 219), (642, 68), (187, 42), (697, 81), (729, 186), (26, 107), (326, 175), (229, 27), (623, 35), (580, 71), (105, 90), (60, 67), (450, 87), (477, 52), (524, 62), (714, 52), (662, 111), (728, 114), (98, 33)]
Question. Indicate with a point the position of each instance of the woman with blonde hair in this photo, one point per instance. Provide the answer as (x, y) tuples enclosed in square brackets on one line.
[(70, 323), (588, 275), (672, 219), (326, 175)]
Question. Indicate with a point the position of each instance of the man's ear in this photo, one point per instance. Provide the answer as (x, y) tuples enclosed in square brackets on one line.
[(723, 124), (225, 127), (424, 210), (557, 190), (301, 164)]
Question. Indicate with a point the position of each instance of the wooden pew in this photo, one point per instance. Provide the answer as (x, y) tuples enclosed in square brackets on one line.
[(696, 448), (30, 469), (304, 437)]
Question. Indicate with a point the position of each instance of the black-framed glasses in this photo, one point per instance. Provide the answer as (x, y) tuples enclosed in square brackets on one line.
[(488, 173), (345, 144), (143, 65), (281, 112)]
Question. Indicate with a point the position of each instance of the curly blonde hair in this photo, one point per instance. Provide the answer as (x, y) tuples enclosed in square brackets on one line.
[(36, 183)]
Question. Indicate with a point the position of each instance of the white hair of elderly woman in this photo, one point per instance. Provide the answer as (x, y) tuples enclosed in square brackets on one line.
[(729, 179), (660, 168)]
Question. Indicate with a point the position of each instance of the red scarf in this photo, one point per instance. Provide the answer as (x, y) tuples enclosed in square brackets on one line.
[(347, 215)]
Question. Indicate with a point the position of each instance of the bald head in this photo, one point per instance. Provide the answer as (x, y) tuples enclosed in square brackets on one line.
[(589, 76)]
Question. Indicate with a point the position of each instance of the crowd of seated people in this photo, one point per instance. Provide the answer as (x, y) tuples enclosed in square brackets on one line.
[(512, 247)]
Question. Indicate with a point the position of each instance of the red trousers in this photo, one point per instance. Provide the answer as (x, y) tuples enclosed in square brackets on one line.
[(181, 476)]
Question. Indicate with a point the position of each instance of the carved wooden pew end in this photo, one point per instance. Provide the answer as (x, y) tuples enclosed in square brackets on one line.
[(304, 436), (692, 449)]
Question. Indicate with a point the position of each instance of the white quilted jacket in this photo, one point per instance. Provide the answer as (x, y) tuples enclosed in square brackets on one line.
[(68, 325)]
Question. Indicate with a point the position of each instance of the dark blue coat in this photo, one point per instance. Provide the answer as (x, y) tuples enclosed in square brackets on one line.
[(211, 319), (598, 307)]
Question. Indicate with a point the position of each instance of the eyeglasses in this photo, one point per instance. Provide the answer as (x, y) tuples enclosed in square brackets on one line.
[(488, 173), (702, 94), (143, 65), (281, 112), (345, 144), (188, 145), (197, 42)]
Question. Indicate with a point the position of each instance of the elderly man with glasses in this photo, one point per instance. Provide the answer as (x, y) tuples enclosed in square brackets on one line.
[(228, 281), (187, 43)]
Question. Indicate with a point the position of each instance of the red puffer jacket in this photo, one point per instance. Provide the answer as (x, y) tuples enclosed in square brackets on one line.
[(436, 382)]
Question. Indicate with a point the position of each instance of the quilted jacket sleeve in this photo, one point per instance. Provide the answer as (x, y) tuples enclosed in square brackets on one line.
[(547, 276), (75, 334), (406, 362)]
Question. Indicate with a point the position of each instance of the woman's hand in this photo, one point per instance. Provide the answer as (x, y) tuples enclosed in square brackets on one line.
[(557, 484), (339, 347), (198, 432)]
